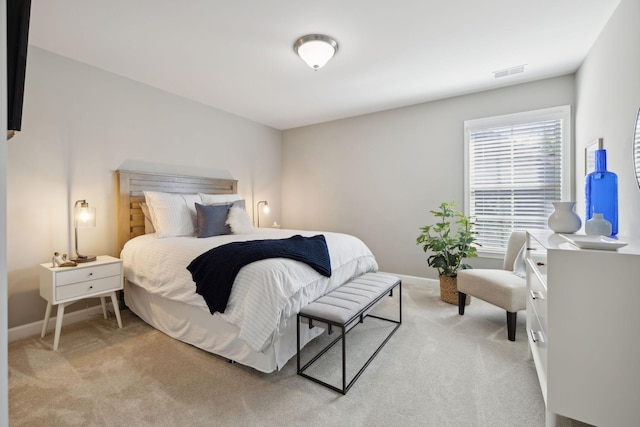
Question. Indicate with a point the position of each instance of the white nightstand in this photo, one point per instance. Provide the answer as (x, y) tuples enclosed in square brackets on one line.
[(62, 286)]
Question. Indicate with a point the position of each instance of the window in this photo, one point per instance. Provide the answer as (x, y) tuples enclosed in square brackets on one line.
[(515, 166)]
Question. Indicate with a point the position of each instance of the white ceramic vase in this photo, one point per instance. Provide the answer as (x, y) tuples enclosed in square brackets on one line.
[(564, 219), (598, 225)]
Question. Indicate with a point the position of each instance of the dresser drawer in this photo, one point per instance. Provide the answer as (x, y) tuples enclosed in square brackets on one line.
[(88, 288), (537, 294), (538, 345), (537, 258), (81, 274)]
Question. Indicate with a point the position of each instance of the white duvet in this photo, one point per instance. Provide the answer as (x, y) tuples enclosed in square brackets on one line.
[(265, 294)]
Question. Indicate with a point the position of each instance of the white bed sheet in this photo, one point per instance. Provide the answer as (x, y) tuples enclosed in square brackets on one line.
[(193, 325), (260, 312)]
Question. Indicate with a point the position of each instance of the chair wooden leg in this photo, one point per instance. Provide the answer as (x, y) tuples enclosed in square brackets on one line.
[(462, 298), (511, 325)]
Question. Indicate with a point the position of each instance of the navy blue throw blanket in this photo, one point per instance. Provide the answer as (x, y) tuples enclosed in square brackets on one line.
[(215, 270)]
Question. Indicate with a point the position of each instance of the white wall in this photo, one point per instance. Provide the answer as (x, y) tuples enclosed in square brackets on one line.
[(80, 124), (377, 176), (608, 98)]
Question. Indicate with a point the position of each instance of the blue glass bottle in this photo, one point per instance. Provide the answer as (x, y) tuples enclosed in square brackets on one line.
[(601, 192)]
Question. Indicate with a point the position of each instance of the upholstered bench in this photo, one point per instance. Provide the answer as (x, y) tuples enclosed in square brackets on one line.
[(344, 308)]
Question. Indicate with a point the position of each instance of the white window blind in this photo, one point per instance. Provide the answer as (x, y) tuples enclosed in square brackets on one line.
[(516, 165)]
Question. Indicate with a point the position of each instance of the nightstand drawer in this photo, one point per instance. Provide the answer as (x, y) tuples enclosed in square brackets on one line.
[(88, 288), (81, 274)]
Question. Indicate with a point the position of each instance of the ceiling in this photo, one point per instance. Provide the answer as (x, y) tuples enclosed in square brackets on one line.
[(238, 56)]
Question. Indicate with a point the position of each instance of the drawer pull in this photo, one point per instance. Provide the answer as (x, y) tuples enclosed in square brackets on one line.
[(536, 295), (90, 286), (539, 263), (536, 336), (90, 274)]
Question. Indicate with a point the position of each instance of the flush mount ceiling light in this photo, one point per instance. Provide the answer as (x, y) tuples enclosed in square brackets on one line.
[(315, 49)]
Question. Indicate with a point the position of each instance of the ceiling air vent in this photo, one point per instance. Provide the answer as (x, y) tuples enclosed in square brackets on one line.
[(509, 71)]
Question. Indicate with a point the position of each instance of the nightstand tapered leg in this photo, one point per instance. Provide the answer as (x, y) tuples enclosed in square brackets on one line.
[(47, 315), (104, 306), (116, 308), (59, 315)]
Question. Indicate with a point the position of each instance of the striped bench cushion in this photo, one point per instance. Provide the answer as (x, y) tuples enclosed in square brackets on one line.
[(343, 304)]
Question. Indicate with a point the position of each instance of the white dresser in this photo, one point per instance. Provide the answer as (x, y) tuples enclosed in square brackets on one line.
[(583, 326)]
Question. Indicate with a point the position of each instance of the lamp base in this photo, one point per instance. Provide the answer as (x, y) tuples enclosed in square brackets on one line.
[(84, 258)]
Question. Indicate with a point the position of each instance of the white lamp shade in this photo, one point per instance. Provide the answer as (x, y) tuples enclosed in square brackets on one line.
[(316, 49), (316, 53)]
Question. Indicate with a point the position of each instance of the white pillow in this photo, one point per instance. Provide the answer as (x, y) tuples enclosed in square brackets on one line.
[(239, 220), (214, 199), (148, 221), (172, 214)]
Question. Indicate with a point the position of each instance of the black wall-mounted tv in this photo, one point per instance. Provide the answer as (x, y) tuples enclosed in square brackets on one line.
[(18, 13)]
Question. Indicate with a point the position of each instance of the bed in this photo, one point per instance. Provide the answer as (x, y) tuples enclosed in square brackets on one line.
[(258, 326)]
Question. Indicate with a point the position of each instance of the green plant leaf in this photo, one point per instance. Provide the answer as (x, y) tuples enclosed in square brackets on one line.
[(449, 240)]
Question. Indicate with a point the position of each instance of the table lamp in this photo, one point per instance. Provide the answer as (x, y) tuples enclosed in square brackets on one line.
[(265, 209), (83, 217)]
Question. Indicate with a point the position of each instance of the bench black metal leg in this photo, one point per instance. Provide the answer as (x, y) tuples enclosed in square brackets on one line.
[(298, 341), (344, 330), (344, 362)]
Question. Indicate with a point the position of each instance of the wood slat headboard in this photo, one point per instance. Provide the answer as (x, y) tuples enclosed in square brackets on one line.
[(132, 184)]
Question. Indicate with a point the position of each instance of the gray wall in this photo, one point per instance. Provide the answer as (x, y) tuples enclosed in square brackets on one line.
[(608, 98), (377, 176), (80, 124)]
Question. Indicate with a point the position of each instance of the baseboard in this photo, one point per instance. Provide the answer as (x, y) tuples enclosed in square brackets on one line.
[(35, 328), (414, 280)]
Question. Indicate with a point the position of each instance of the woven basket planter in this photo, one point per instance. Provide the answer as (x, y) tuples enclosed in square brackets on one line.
[(449, 290)]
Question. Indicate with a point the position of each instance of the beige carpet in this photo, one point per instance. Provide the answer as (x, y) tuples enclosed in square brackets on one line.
[(439, 369)]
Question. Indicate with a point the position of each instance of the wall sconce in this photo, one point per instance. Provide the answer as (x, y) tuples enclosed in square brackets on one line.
[(265, 209), (83, 217)]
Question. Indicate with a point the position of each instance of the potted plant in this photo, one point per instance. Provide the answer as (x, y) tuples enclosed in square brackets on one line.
[(450, 240)]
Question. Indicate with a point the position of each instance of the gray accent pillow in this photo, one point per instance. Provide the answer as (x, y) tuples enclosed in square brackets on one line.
[(211, 220)]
